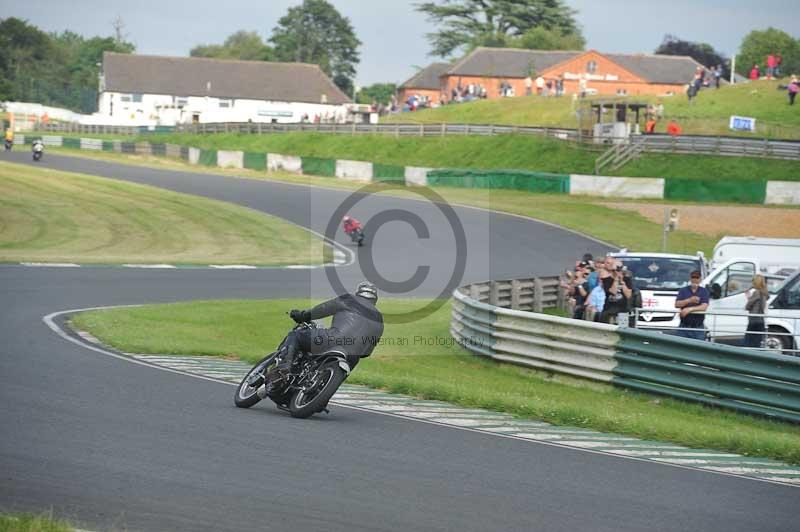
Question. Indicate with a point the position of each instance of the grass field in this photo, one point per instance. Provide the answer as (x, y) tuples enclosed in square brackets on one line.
[(32, 523), (430, 367), (520, 152), (709, 114), (51, 216)]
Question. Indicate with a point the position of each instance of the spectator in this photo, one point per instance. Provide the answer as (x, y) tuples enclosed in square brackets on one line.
[(539, 85), (718, 75), (771, 62), (673, 128), (579, 291), (592, 276), (693, 302), (756, 304), (582, 86), (560, 86), (650, 126), (691, 92), (548, 87), (792, 89), (595, 303), (528, 86), (778, 63), (660, 110), (618, 287), (754, 73)]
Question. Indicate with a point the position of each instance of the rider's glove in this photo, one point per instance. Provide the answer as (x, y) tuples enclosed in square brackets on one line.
[(300, 316)]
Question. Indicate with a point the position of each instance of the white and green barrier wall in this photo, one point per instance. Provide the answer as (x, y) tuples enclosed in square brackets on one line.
[(755, 191), (488, 321)]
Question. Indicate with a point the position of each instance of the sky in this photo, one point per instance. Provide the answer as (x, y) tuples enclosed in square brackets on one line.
[(392, 33)]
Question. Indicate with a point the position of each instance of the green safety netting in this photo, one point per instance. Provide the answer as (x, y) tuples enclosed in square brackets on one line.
[(388, 172), (500, 179), (255, 161), (71, 142), (318, 166), (208, 157), (733, 191)]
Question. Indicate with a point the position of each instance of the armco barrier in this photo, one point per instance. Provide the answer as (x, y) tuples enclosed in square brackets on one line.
[(354, 170), (255, 161), (285, 163), (319, 166), (750, 381)]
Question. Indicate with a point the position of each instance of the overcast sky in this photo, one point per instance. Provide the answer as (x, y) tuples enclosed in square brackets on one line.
[(393, 33)]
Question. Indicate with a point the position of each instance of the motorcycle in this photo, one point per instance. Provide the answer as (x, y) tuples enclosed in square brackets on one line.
[(9, 144), (357, 236), (305, 390), (38, 151)]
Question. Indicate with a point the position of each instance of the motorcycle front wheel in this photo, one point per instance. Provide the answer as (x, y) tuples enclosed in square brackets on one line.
[(313, 397), (246, 395)]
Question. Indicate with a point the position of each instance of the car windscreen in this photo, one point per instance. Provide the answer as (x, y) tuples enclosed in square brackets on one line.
[(660, 273)]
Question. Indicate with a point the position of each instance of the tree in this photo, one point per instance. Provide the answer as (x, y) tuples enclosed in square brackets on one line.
[(378, 92), (701, 52), (757, 45), (245, 45), (468, 23), (315, 32), (540, 38)]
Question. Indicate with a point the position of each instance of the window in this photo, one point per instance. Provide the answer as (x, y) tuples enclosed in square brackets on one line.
[(181, 101), (735, 279), (136, 98), (790, 296), (226, 103), (125, 97), (591, 67)]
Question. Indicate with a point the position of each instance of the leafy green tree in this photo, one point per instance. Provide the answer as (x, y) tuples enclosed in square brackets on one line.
[(315, 32), (757, 45), (541, 38), (464, 24), (703, 53), (377, 92), (246, 45)]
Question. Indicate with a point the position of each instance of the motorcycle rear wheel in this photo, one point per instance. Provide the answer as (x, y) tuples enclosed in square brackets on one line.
[(307, 402), (246, 395)]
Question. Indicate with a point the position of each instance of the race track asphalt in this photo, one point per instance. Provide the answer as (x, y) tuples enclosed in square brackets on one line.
[(127, 447)]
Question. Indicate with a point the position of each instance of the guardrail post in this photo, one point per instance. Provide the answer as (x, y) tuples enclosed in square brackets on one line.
[(444, 129), (494, 293), (422, 130), (353, 129), (515, 289), (474, 292), (561, 298), (466, 130), (538, 294)]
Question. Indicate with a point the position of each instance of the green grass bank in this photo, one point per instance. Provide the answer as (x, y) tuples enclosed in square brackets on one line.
[(52, 216), (708, 114), (417, 359), (32, 523), (521, 152)]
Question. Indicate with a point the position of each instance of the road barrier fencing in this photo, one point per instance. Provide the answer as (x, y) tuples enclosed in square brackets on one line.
[(489, 320)]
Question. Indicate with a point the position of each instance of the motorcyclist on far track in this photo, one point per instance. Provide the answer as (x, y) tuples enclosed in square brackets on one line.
[(350, 224), (355, 330)]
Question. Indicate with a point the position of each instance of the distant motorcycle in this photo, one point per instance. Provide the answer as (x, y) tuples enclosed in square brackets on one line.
[(9, 144), (305, 390), (357, 236), (37, 150)]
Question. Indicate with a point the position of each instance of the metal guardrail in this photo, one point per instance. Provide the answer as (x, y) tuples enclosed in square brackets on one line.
[(685, 144), (485, 322)]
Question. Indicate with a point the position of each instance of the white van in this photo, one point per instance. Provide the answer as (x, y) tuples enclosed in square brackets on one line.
[(659, 276), (783, 311), (773, 253)]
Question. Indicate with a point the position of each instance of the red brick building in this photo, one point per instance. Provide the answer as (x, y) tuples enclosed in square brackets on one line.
[(615, 74), (426, 83)]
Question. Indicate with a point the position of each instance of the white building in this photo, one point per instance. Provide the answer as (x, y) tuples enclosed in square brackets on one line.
[(156, 90)]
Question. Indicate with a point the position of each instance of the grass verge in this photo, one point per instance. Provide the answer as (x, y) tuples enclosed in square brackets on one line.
[(419, 359), (32, 523), (52, 216), (522, 152)]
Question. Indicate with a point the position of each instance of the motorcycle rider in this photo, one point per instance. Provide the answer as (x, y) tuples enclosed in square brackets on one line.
[(350, 224), (38, 147), (9, 138), (356, 327)]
